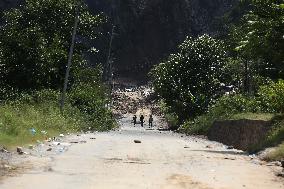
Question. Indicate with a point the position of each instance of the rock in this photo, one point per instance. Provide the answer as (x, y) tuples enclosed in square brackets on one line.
[(65, 144), (20, 150), (281, 174), (186, 147), (230, 158), (209, 146), (56, 143), (61, 135), (274, 163), (49, 149), (282, 163), (230, 147), (253, 156), (4, 150), (92, 138), (137, 141), (74, 142)]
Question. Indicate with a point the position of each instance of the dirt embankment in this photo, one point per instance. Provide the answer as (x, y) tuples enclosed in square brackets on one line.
[(241, 134)]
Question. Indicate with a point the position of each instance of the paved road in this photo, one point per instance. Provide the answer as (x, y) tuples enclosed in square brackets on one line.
[(161, 161)]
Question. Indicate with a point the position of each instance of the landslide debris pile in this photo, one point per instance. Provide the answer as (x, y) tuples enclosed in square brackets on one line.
[(128, 100)]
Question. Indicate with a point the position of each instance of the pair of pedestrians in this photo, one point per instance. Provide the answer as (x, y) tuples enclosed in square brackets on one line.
[(142, 120)]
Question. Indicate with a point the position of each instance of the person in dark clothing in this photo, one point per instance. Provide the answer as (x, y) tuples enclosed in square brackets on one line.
[(134, 119), (151, 121), (142, 120)]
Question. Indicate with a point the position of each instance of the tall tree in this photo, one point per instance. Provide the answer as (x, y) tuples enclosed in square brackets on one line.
[(261, 36), (35, 40), (190, 79)]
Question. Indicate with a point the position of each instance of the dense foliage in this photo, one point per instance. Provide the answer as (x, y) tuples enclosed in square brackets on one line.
[(269, 100), (259, 37), (34, 46), (35, 40), (190, 79)]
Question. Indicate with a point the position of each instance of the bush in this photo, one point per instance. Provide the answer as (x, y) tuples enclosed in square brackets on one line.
[(271, 97), (92, 101), (170, 116), (224, 108), (276, 154)]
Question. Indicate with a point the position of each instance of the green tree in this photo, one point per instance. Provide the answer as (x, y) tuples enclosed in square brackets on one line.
[(260, 36), (35, 39), (190, 79)]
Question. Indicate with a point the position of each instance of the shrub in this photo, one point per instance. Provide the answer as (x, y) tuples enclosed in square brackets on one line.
[(170, 116), (92, 101), (271, 97), (224, 108)]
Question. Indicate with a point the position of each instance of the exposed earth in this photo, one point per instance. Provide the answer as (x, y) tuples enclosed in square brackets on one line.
[(163, 160)]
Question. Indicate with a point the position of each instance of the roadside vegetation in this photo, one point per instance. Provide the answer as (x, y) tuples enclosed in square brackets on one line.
[(235, 77), (34, 46)]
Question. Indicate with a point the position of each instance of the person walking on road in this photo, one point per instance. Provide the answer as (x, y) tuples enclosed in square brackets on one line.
[(142, 120), (134, 119), (151, 121)]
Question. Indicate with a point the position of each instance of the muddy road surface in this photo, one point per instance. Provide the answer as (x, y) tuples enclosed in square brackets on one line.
[(163, 160)]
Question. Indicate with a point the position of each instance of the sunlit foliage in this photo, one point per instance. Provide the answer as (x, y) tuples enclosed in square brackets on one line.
[(191, 78), (260, 36)]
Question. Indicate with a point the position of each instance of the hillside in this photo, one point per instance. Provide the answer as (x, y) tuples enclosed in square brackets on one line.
[(148, 30)]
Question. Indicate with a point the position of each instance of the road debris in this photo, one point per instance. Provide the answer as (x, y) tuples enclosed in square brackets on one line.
[(20, 150)]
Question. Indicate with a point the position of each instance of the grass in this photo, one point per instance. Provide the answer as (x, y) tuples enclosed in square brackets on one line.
[(253, 116), (276, 154), (17, 119)]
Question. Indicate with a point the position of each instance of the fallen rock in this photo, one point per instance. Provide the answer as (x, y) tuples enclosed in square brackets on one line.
[(4, 150), (282, 163), (137, 141), (49, 149), (74, 142), (281, 174), (56, 143), (61, 135), (92, 138), (230, 158), (186, 147), (274, 163), (209, 146), (20, 150), (65, 144), (230, 147)]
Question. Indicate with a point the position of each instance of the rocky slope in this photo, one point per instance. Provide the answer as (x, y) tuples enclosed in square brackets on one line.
[(148, 30)]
